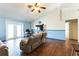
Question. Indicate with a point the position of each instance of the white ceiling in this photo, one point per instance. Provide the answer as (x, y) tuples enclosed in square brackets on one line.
[(20, 11)]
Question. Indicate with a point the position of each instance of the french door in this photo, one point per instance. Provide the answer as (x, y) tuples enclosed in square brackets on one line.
[(10, 31), (14, 30), (19, 31)]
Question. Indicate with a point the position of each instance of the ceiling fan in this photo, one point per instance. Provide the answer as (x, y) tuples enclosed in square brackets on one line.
[(36, 7)]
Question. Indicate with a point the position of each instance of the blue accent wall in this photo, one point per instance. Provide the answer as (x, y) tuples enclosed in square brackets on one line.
[(57, 34), (2, 29), (3, 20)]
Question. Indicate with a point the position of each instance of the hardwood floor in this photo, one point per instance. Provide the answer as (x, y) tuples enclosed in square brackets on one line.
[(49, 48)]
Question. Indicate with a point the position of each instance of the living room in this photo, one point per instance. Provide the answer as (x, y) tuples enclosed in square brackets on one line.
[(17, 19)]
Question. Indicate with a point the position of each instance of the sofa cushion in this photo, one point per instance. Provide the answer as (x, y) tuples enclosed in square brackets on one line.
[(3, 49)]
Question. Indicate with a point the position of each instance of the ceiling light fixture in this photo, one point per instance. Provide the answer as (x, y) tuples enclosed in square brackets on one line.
[(36, 7)]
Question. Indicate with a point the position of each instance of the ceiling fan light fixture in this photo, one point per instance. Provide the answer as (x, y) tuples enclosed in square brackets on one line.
[(29, 6), (33, 10), (43, 7), (39, 11), (36, 7)]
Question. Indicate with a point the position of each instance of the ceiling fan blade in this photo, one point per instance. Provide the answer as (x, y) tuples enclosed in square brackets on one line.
[(43, 7), (29, 6), (33, 10), (39, 11), (35, 4)]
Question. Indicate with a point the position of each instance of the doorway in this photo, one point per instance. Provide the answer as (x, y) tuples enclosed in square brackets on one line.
[(71, 27), (71, 30)]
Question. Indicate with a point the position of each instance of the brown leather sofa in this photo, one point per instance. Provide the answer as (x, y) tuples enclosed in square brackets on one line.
[(3, 49), (29, 44)]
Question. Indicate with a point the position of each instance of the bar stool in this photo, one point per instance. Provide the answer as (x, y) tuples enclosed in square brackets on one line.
[(75, 49)]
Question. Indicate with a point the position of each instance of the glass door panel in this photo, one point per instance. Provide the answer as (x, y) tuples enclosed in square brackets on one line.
[(10, 31), (19, 30)]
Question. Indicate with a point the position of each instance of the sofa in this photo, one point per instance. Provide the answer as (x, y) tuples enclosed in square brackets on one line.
[(27, 45), (3, 49)]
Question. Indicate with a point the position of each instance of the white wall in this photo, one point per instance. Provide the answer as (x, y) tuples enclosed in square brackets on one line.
[(54, 25), (52, 21), (71, 13)]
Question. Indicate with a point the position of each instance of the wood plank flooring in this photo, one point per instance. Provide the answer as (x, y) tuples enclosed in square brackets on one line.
[(49, 48)]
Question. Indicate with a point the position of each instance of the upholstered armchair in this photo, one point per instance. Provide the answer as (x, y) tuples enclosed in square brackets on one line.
[(3, 49), (29, 44)]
